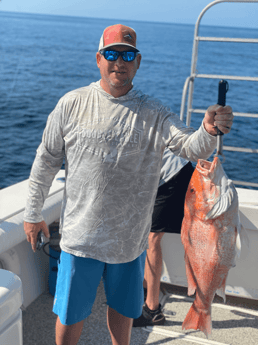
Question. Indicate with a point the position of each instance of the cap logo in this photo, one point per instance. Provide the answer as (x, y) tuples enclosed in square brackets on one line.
[(128, 37)]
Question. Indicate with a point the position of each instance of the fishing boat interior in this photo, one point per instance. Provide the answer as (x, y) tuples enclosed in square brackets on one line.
[(27, 279)]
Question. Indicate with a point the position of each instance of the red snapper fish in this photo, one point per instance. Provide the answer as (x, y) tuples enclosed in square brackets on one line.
[(210, 235)]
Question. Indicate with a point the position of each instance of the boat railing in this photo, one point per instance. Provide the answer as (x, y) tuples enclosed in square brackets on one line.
[(189, 83)]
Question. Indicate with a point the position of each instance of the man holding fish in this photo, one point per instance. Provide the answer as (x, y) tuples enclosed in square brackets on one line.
[(112, 138)]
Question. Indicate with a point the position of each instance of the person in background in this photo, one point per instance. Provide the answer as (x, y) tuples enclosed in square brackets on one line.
[(112, 137), (167, 217)]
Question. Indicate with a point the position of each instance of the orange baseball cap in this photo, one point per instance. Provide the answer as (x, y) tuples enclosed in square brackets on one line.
[(118, 35)]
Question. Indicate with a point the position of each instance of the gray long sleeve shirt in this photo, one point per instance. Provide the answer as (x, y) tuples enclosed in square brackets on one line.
[(171, 165), (113, 150)]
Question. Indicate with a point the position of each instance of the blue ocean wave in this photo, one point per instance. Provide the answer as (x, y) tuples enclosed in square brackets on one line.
[(43, 57)]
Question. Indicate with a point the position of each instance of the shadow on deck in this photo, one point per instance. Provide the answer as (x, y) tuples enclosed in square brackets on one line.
[(231, 323)]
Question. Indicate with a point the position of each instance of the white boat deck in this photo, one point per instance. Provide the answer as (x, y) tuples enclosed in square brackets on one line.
[(234, 323), (231, 326)]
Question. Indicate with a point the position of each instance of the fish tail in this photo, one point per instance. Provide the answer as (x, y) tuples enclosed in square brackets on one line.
[(198, 319)]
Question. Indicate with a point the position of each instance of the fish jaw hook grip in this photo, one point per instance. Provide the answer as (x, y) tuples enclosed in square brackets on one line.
[(223, 88)]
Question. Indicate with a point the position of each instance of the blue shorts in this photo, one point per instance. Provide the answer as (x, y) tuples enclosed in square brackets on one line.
[(78, 279)]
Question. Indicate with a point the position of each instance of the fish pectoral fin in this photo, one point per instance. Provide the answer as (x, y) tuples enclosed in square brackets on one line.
[(191, 282), (223, 203)]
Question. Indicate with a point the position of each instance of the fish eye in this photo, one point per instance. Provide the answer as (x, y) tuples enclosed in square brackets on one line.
[(192, 190)]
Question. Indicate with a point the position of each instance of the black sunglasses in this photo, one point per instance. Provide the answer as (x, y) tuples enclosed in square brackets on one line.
[(112, 55)]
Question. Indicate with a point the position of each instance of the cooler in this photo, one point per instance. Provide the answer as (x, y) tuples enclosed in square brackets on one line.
[(11, 299)]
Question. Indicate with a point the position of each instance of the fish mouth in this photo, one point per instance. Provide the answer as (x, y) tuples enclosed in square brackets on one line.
[(205, 164), (207, 168)]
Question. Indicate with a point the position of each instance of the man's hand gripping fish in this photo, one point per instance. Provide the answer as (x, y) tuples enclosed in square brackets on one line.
[(210, 235)]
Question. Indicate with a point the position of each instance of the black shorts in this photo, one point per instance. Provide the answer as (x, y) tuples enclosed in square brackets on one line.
[(168, 210)]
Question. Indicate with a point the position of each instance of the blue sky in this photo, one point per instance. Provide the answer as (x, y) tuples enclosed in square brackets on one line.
[(174, 11)]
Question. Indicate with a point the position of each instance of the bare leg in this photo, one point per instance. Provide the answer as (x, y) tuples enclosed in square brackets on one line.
[(68, 335), (119, 327), (153, 269)]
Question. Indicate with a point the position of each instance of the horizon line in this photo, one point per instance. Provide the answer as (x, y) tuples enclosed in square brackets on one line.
[(131, 20)]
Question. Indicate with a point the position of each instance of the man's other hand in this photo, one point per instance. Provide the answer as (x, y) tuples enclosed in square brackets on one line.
[(32, 230)]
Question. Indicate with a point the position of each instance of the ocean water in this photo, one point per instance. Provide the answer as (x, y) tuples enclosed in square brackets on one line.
[(42, 57)]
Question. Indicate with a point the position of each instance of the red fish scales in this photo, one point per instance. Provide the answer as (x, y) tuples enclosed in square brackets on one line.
[(209, 231)]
